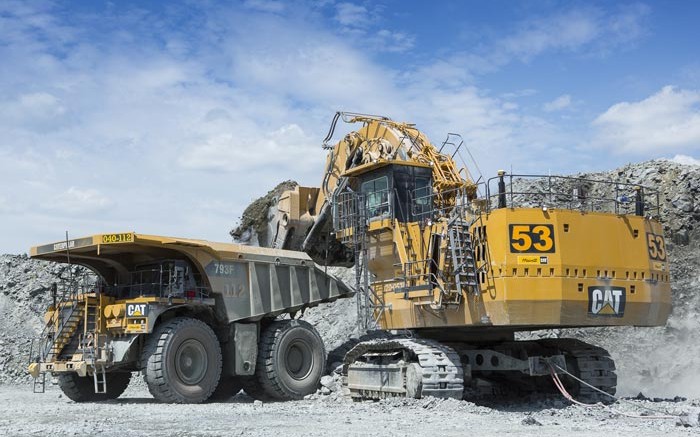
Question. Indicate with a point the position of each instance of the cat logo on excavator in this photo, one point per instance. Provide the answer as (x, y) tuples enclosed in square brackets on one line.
[(606, 301)]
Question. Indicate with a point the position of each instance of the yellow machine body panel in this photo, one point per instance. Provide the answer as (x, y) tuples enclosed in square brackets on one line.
[(551, 268)]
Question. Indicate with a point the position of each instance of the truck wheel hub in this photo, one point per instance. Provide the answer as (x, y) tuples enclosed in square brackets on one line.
[(299, 359), (191, 362)]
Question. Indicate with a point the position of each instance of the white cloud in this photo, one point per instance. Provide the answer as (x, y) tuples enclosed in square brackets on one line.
[(36, 110), (389, 41), (567, 31), (352, 15), (279, 150), (527, 92), (587, 30), (685, 160), (668, 121), (558, 104), (265, 5), (75, 201)]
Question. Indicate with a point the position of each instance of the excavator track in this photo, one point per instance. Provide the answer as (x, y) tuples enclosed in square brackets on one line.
[(403, 367), (592, 364)]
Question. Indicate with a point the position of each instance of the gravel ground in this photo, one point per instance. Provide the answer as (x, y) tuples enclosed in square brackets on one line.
[(135, 413)]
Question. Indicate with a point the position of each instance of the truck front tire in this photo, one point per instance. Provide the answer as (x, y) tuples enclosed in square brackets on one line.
[(82, 388), (291, 361), (182, 361)]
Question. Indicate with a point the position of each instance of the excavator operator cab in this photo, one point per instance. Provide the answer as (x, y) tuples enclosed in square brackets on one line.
[(393, 191)]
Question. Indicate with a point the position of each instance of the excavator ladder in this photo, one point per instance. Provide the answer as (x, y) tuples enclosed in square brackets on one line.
[(370, 305), (461, 250), (350, 221)]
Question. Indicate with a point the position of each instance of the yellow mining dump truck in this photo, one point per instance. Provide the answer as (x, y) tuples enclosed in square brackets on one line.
[(201, 320), (455, 267)]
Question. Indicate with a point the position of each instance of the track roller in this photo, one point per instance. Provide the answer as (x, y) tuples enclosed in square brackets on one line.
[(403, 367)]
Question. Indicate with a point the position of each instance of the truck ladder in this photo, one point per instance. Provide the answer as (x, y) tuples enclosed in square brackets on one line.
[(100, 379), (90, 348), (40, 383)]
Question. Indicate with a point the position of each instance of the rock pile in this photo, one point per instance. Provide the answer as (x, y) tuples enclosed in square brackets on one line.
[(252, 225)]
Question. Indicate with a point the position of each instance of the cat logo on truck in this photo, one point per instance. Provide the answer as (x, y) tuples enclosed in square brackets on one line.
[(137, 310)]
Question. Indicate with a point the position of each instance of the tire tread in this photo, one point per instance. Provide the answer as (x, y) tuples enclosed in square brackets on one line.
[(153, 359)]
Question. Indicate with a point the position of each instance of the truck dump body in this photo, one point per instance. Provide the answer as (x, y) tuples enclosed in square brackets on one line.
[(246, 282)]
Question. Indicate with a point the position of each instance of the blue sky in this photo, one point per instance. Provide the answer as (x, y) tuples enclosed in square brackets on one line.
[(169, 117)]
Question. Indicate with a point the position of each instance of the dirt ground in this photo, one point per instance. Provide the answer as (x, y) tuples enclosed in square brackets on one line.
[(135, 413)]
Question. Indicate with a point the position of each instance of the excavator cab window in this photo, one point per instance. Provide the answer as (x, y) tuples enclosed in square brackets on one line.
[(422, 199), (376, 192), (397, 191), (412, 188)]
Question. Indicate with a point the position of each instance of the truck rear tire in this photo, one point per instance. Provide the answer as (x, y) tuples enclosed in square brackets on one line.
[(82, 388), (291, 361), (182, 359)]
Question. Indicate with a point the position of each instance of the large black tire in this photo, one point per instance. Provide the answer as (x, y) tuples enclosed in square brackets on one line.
[(291, 361), (82, 388), (182, 361), (228, 387)]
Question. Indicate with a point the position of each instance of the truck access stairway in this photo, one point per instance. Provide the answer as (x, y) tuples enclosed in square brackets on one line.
[(57, 333), (60, 338)]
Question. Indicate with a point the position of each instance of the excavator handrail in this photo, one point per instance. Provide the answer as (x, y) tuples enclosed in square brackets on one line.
[(629, 198)]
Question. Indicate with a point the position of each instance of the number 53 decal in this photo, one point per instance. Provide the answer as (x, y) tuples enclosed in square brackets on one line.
[(532, 238), (657, 247)]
